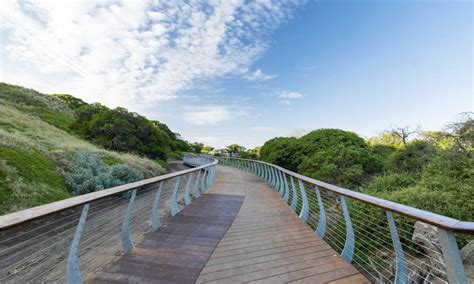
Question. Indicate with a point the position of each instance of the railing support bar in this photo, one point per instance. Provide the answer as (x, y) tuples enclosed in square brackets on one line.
[(452, 259), (174, 198), (155, 216), (73, 271), (127, 242), (349, 245), (321, 229), (401, 274)]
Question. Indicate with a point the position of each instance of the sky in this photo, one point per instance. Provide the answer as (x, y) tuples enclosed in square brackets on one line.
[(222, 72)]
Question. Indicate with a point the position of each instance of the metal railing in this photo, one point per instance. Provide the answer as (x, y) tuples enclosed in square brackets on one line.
[(388, 242), (72, 239)]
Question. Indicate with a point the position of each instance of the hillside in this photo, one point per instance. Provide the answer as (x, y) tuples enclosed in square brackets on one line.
[(38, 147)]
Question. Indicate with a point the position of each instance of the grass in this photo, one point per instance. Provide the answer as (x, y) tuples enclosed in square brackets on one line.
[(47, 108), (27, 179), (35, 150)]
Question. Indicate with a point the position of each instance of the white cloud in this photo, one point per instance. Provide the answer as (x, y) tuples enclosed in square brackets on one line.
[(258, 75), (133, 52), (287, 95), (212, 115)]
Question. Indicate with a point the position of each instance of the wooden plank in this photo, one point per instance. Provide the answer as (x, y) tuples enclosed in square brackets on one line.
[(177, 251), (268, 243)]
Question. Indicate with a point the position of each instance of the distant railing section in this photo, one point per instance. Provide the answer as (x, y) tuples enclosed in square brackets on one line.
[(72, 239), (388, 242)]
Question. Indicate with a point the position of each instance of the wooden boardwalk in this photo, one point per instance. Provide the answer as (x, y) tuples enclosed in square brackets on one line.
[(240, 231)]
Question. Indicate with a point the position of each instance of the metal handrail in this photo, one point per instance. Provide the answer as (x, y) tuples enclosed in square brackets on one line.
[(20, 217), (451, 224), (136, 203), (345, 239)]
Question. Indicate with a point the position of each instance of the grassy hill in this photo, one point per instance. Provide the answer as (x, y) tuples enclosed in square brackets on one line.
[(37, 147)]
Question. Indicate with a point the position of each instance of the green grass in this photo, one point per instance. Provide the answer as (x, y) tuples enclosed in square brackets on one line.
[(36, 149), (28, 178), (50, 109)]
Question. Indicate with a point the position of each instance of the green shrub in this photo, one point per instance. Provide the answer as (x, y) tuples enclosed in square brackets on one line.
[(412, 158), (123, 174), (87, 173), (283, 151), (348, 166)]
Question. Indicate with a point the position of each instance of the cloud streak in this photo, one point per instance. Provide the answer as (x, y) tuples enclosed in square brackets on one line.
[(136, 52), (258, 75)]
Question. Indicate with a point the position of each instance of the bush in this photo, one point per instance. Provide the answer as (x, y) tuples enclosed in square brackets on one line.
[(123, 174), (282, 151), (87, 173), (412, 158), (348, 166)]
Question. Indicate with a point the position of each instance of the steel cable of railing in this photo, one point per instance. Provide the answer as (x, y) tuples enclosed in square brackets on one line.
[(33, 247), (381, 240), (374, 246)]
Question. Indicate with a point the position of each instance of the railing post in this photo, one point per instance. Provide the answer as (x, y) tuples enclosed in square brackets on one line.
[(401, 274), (73, 270), (265, 172), (304, 214), (287, 189), (203, 181), (272, 177), (197, 194), (277, 180), (208, 178), (187, 197), (174, 198), (294, 199), (155, 217), (281, 185), (452, 259), (127, 243), (349, 244), (321, 229)]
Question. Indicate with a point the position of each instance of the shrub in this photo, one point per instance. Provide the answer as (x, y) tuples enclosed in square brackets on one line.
[(345, 166), (412, 158), (123, 174), (87, 173)]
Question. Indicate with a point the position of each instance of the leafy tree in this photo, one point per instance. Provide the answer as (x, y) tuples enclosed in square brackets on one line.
[(120, 130), (439, 138), (197, 147), (386, 139), (283, 151), (322, 139), (207, 149), (235, 148)]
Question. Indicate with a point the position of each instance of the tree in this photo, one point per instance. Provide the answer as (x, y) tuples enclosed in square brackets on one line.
[(197, 147), (386, 139), (283, 151), (235, 148), (337, 156), (462, 133), (207, 149), (404, 133)]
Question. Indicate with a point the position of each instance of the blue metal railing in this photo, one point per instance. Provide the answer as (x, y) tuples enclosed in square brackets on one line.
[(34, 242), (363, 236)]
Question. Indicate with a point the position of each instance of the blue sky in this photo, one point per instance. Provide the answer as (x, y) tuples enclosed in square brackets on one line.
[(235, 72)]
